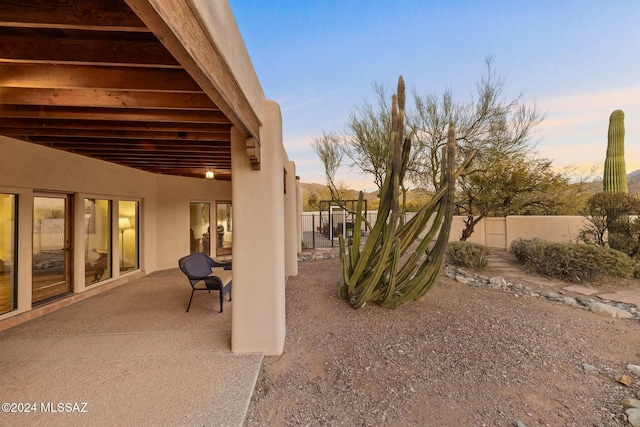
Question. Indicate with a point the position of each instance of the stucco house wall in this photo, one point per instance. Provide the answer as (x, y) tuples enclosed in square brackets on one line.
[(164, 203)]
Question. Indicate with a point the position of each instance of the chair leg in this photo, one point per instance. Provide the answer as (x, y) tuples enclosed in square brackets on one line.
[(221, 299), (189, 306)]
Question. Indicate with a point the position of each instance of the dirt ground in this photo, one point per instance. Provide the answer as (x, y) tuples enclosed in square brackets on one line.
[(462, 356)]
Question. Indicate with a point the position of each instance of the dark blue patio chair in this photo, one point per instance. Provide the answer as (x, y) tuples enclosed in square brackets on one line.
[(198, 267)]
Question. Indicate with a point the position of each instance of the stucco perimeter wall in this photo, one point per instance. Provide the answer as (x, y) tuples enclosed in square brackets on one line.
[(551, 228), (457, 225), (500, 232)]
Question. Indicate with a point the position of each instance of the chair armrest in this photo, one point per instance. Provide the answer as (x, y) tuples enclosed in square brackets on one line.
[(224, 264), (223, 275)]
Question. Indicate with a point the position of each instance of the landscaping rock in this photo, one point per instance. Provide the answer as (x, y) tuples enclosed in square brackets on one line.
[(582, 300), (462, 280), (552, 296), (610, 311), (630, 403), (570, 301), (623, 379), (498, 281), (634, 368), (633, 416)]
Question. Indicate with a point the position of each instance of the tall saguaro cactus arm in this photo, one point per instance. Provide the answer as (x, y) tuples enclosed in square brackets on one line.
[(381, 271), (615, 175)]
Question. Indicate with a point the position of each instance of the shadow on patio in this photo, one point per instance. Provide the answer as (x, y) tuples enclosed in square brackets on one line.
[(134, 356)]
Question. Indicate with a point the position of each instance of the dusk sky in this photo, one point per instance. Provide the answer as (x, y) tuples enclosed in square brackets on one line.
[(577, 60)]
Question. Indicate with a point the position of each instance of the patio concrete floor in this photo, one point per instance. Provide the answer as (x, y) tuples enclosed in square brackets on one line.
[(128, 356)]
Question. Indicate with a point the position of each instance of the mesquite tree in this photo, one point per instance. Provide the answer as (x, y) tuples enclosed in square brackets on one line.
[(382, 271)]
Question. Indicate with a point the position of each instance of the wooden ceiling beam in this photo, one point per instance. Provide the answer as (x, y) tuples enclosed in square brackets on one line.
[(192, 172), (202, 161), (94, 14), (169, 164), (124, 143), (89, 77), (110, 114), (99, 125), (83, 47), (168, 146), (114, 134), (155, 158), (180, 30), (96, 98), (40, 76)]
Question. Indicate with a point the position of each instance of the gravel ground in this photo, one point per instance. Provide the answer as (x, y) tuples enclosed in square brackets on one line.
[(462, 356)]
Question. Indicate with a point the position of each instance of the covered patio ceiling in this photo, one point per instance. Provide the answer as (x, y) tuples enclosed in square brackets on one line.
[(91, 77)]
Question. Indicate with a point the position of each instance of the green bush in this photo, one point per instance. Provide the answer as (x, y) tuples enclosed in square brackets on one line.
[(528, 250), (574, 262), (467, 254)]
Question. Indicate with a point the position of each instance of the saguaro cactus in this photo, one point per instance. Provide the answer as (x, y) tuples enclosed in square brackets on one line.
[(615, 175), (382, 271)]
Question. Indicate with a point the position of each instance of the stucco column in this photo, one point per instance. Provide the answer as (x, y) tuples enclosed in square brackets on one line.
[(291, 223), (299, 213), (258, 310)]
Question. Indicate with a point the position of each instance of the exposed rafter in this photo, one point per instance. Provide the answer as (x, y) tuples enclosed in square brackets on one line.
[(92, 78)]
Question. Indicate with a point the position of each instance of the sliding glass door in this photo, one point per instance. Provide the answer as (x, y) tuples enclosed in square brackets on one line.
[(97, 244), (51, 246), (224, 228), (129, 234), (8, 240)]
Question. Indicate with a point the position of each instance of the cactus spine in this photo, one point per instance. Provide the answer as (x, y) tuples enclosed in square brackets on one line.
[(379, 272), (615, 175)]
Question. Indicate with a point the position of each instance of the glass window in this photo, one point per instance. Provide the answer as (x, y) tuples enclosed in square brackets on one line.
[(128, 220), (97, 243), (7, 252), (199, 227), (224, 228)]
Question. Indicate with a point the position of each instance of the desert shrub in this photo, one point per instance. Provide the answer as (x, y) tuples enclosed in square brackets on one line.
[(467, 254), (575, 262), (611, 220), (624, 236), (528, 250)]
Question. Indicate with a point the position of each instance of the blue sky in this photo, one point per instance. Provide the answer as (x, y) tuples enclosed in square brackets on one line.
[(577, 60)]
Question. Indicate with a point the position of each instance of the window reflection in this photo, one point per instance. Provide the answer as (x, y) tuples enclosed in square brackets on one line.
[(7, 252), (128, 236), (97, 244), (224, 229), (51, 260), (200, 230)]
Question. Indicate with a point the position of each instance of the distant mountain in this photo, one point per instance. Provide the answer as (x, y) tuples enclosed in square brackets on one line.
[(633, 182), (313, 193)]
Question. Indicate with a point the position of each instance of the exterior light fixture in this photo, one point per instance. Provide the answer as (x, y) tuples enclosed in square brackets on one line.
[(209, 174)]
